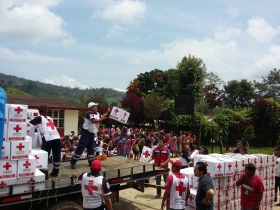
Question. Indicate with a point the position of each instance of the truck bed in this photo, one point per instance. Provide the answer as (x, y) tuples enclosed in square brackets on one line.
[(121, 173)]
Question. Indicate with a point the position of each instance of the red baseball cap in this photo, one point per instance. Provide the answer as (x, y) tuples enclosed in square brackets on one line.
[(177, 164), (96, 165)]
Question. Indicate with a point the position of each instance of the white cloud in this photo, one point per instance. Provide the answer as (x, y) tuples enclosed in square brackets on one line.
[(69, 41), (261, 30), (271, 60), (125, 12), (232, 11), (116, 30), (65, 81), (227, 34), (30, 21)]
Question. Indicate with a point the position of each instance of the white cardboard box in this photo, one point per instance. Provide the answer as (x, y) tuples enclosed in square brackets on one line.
[(189, 173), (41, 157), (6, 150), (8, 169), (5, 132), (6, 119), (19, 150), (17, 113), (30, 130), (16, 131), (235, 204), (35, 140), (191, 200), (229, 166), (215, 167), (26, 168), (227, 182), (195, 182), (29, 139), (25, 188), (217, 183), (4, 186)]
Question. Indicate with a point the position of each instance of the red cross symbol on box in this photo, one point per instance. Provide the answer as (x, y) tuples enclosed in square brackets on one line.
[(20, 146), (191, 197), (181, 188), (2, 184), (50, 124), (228, 179), (37, 157), (261, 161), (229, 166), (116, 111), (7, 166), (17, 128), (18, 110), (147, 154), (219, 166), (31, 180), (255, 161), (90, 187), (26, 164), (236, 164), (124, 115)]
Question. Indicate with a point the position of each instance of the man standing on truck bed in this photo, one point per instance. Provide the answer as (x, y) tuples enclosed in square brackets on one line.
[(161, 157), (95, 188), (89, 128), (50, 137)]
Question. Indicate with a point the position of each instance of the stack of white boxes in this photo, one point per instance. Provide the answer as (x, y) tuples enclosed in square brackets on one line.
[(225, 170), (20, 163)]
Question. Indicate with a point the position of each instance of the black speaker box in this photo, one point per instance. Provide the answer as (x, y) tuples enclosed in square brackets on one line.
[(184, 105)]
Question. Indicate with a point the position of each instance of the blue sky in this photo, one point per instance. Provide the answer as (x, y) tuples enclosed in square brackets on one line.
[(107, 43)]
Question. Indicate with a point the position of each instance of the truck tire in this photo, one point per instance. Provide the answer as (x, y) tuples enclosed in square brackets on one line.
[(65, 205)]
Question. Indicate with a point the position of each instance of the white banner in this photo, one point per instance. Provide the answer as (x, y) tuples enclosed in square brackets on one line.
[(119, 115)]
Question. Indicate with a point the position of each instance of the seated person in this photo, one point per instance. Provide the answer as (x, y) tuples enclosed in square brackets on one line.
[(111, 150), (66, 149)]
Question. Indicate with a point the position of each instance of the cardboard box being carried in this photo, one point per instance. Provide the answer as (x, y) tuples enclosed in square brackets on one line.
[(26, 168), (17, 113), (25, 188), (8, 169), (6, 151), (19, 150), (16, 132), (41, 157)]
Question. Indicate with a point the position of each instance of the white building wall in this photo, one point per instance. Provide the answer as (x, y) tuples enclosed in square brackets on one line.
[(71, 121)]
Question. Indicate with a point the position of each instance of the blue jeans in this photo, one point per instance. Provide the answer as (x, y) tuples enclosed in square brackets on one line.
[(158, 181)]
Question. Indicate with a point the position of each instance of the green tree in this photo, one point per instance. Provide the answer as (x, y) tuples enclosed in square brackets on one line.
[(212, 78), (192, 72), (153, 107), (249, 134), (238, 94), (213, 96)]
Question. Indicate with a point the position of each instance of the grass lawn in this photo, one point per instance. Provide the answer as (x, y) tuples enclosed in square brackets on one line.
[(251, 150)]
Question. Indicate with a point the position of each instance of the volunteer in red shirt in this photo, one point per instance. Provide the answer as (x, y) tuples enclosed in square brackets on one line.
[(95, 188), (177, 188), (161, 157), (251, 188)]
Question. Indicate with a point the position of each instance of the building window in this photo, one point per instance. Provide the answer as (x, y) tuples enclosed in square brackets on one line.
[(57, 116)]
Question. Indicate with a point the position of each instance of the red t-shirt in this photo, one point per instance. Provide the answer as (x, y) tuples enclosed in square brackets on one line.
[(166, 138), (250, 190), (168, 184)]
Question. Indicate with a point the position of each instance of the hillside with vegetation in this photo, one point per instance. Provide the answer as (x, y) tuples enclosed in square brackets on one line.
[(23, 87)]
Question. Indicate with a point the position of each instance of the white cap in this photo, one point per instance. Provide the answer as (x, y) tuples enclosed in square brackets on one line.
[(90, 104)]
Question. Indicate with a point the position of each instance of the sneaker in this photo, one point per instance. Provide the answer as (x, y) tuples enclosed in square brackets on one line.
[(157, 196), (73, 166)]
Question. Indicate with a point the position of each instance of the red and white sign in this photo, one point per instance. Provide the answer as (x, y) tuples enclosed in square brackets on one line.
[(8, 169), (6, 151), (5, 186), (41, 157), (24, 188), (19, 150), (26, 168), (119, 114), (16, 131), (17, 113), (5, 132)]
